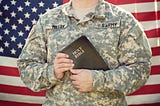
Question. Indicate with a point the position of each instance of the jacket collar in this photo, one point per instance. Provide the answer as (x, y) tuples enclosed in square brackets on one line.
[(103, 10)]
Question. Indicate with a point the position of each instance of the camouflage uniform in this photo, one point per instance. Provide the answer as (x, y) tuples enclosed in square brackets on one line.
[(114, 32)]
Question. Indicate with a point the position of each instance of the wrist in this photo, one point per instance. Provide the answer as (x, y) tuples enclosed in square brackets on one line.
[(52, 76), (98, 80)]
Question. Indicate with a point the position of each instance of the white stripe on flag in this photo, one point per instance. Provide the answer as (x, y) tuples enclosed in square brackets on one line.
[(153, 79), (154, 42), (8, 61), (22, 98), (149, 25), (143, 99), (11, 80), (141, 7), (11, 62), (155, 60)]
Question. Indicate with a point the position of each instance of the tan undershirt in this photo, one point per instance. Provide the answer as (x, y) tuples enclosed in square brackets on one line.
[(81, 12)]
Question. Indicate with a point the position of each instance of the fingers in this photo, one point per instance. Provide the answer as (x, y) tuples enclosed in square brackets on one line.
[(75, 83), (61, 55), (80, 87), (74, 77), (66, 66), (62, 58), (75, 71), (82, 79), (62, 63)]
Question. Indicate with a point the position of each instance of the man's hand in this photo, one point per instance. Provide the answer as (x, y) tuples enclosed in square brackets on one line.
[(82, 79), (62, 64)]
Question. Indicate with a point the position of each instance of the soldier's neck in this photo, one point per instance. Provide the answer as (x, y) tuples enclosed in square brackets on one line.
[(84, 3)]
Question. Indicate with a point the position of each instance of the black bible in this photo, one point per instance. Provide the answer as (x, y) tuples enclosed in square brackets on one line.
[(84, 55)]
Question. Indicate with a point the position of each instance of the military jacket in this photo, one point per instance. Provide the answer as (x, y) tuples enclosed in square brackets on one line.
[(117, 36)]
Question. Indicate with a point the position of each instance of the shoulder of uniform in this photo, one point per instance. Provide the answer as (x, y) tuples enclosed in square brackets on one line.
[(54, 12), (119, 11)]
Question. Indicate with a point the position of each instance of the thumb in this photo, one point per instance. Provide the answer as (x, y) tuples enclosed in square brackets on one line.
[(75, 71)]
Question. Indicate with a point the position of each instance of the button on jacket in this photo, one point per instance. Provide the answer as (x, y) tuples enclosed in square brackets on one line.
[(117, 36)]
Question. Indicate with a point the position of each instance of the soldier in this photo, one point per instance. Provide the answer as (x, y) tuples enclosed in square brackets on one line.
[(117, 36)]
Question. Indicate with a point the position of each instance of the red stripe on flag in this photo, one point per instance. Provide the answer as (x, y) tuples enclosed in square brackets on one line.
[(153, 33), (19, 90), (147, 89), (147, 16), (65, 1), (9, 103), (10, 71), (118, 2), (155, 70), (155, 51), (153, 104)]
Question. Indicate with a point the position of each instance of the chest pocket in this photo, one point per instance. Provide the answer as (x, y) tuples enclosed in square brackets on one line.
[(58, 36), (108, 30)]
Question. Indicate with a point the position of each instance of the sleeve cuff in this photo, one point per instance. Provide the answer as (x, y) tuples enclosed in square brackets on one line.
[(51, 75), (98, 80)]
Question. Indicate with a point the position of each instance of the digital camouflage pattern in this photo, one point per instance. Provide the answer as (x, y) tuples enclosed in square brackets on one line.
[(116, 35)]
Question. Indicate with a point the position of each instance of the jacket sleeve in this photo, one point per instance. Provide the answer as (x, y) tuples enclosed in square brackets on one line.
[(134, 55), (35, 71)]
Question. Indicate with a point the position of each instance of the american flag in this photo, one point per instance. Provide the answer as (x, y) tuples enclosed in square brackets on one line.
[(18, 16)]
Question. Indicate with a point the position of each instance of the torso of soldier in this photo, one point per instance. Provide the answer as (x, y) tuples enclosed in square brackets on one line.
[(102, 27)]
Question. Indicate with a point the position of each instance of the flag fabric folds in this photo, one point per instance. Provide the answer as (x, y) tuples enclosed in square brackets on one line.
[(18, 16)]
